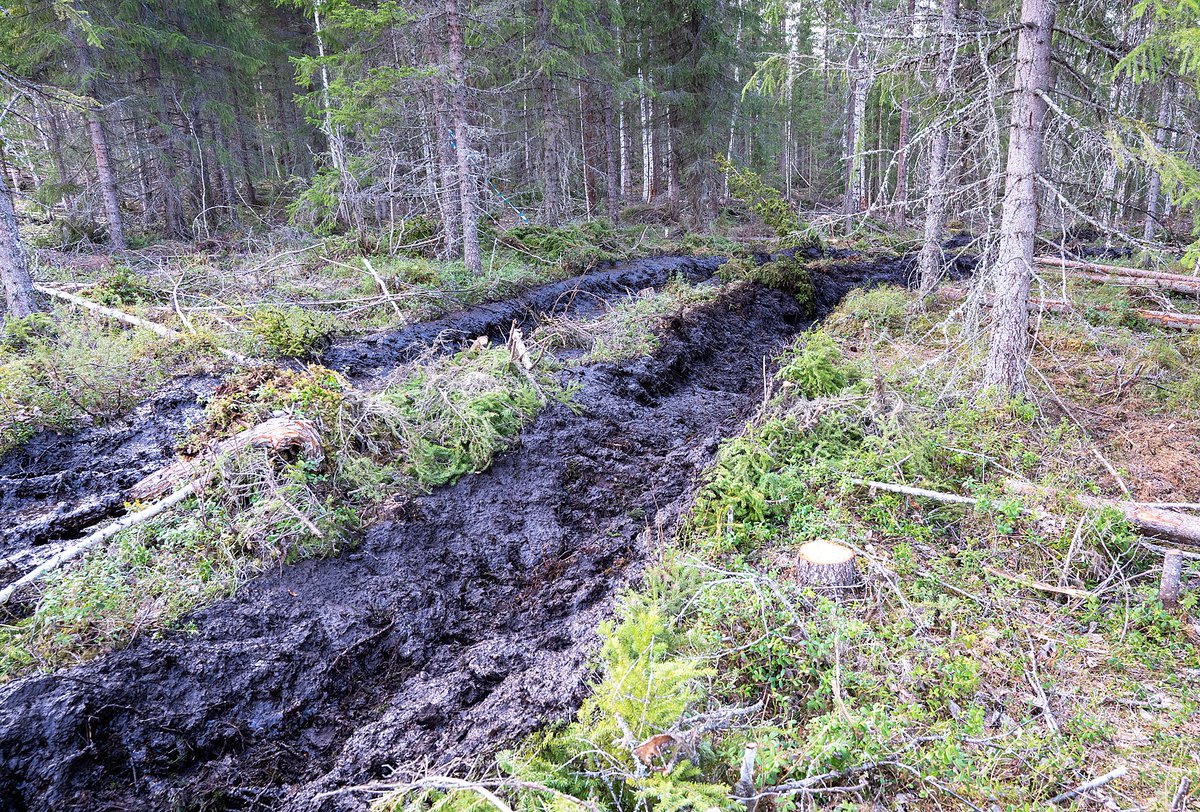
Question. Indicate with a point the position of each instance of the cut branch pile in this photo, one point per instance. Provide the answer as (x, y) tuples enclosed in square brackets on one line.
[(278, 434)]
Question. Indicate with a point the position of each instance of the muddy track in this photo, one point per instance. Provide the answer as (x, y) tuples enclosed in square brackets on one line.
[(464, 619), (455, 627), (56, 486)]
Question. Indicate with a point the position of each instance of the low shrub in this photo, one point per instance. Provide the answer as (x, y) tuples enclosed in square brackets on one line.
[(290, 332)]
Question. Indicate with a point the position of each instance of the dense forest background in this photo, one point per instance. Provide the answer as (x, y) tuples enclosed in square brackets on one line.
[(421, 124)]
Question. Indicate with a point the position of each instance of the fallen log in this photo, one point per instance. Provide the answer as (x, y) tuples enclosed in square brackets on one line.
[(1187, 286), (1162, 318), (1181, 528), (277, 434), (122, 316), (1115, 270), (1166, 524), (105, 533)]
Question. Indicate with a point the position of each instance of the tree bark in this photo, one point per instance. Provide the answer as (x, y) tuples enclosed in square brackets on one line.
[(1013, 267), (929, 262), (14, 266), (613, 179), (551, 121), (456, 57), (1153, 193), (105, 175)]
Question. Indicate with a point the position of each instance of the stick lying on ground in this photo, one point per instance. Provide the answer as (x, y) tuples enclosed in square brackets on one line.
[(277, 434), (1168, 524), (119, 315), (1162, 318), (105, 533)]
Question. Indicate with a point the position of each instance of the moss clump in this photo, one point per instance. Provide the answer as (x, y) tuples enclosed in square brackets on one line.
[(290, 332), (786, 273), (815, 368)]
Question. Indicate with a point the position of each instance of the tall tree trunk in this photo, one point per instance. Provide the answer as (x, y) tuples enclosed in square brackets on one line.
[(14, 268), (552, 126), (162, 136), (1150, 221), (456, 56), (105, 175), (349, 204), (1013, 268), (613, 178), (929, 262)]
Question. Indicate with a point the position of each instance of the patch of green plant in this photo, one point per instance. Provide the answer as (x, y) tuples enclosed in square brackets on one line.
[(768, 204), (815, 366), (290, 332), (629, 329), (882, 307), (123, 286), (22, 333), (646, 686), (455, 415)]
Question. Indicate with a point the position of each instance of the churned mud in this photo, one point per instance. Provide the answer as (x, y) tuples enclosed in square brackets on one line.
[(57, 486), (461, 622)]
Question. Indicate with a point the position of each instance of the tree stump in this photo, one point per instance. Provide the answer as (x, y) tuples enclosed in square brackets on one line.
[(826, 565)]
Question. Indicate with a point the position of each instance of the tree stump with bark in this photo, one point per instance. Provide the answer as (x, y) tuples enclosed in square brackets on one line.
[(827, 565)]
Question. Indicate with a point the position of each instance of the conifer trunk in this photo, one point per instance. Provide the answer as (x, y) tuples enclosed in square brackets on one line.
[(456, 57), (1013, 267), (929, 262), (14, 267), (105, 176), (1150, 220)]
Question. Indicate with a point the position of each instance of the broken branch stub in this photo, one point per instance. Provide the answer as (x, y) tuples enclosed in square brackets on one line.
[(278, 434), (1169, 585)]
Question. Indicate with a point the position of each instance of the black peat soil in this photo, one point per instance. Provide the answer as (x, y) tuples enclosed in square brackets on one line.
[(55, 487), (464, 620)]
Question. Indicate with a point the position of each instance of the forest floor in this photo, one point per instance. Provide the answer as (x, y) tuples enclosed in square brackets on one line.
[(652, 452)]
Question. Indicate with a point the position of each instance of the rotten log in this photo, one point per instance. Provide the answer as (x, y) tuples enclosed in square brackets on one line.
[(121, 316), (826, 565), (277, 434), (1162, 318)]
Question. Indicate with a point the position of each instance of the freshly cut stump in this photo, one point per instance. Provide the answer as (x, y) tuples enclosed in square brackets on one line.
[(827, 565)]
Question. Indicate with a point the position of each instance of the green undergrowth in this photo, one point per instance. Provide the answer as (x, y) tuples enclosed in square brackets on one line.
[(434, 422), (952, 678), (788, 274), (625, 330), (65, 370)]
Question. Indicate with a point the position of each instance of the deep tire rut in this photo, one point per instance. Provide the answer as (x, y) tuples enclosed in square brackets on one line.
[(56, 486), (461, 623)]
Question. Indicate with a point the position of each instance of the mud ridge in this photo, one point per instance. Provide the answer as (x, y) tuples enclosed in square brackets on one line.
[(56, 486), (577, 296), (459, 624)]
